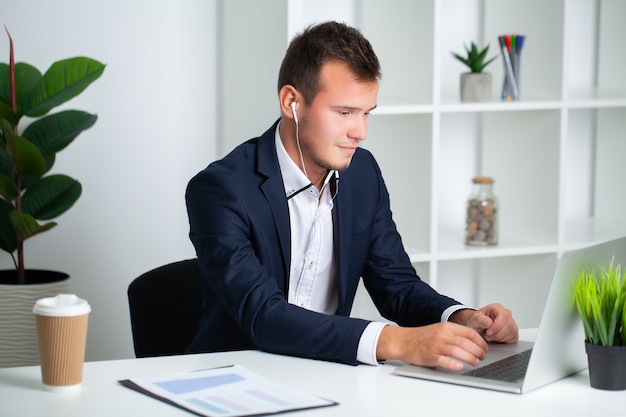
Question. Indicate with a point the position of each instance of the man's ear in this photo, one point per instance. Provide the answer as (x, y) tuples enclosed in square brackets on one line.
[(287, 96)]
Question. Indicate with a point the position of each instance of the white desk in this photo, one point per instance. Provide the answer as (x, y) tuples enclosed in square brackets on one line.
[(361, 391)]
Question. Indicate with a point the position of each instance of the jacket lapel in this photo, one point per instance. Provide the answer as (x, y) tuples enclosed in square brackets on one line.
[(342, 231), (274, 192)]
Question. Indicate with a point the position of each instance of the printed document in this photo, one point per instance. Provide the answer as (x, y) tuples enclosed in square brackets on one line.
[(226, 391)]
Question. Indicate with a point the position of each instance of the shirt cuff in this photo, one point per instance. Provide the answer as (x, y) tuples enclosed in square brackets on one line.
[(445, 316), (366, 352)]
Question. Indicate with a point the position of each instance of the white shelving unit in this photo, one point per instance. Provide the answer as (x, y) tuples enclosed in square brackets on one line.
[(557, 155)]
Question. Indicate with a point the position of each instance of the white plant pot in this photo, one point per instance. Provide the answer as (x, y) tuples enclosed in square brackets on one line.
[(18, 331), (476, 87)]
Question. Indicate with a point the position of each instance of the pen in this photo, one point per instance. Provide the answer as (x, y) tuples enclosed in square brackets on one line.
[(513, 55), (519, 43), (505, 45)]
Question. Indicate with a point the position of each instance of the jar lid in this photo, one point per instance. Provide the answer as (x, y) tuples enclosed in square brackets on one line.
[(482, 180)]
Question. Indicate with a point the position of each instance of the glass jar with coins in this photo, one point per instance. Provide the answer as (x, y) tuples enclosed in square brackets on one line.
[(481, 226)]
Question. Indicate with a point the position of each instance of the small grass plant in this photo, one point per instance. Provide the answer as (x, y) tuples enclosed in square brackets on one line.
[(474, 58), (600, 297)]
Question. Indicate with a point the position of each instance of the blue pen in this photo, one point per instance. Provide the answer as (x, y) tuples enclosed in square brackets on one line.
[(520, 42)]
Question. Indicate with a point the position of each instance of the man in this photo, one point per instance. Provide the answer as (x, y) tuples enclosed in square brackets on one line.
[(286, 225)]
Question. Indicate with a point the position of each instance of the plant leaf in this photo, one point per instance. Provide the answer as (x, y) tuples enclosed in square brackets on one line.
[(483, 65), (63, 81), (7, 231), (584, 289), (26, 78), (475, 58), (26, 226), (462, 59), (7, 137), (6, 112), (5, 93), (51, 196), (53, 133), (624, 311), (483, 53), (6, 166), (475, 55), (30, 159), (8, 189)]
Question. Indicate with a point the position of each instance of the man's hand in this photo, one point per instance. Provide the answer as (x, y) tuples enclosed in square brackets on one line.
[(494, 322), (443, 344), (462, 339)]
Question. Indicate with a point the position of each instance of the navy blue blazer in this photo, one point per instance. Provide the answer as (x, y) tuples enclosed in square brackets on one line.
[(239, 225)]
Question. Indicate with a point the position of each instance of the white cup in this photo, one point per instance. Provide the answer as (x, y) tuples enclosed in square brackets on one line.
[(62, 336)]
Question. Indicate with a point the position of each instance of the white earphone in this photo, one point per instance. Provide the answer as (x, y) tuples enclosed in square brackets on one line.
[(295, 119), (293, 109)]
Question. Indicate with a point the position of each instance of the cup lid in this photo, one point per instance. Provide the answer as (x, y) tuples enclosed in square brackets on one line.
[(62, 305)]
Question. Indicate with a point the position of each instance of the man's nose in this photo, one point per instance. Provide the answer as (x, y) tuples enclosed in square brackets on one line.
[(358, 129)]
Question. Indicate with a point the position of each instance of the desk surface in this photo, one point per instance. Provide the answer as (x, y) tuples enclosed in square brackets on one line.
[(360, 390)]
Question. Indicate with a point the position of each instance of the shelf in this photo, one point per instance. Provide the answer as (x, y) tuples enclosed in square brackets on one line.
[(452, 248), (579, 233), (491, 106), (578, 101), (499, 106), (384, 108)]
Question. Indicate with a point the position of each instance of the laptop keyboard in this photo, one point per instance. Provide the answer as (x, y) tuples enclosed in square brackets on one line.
[(510, 369)]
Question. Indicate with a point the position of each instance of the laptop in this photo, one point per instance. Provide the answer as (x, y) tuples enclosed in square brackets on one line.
[(558, 349)]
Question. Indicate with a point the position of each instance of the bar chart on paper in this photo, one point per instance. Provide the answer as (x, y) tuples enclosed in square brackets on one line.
[(227, 391)]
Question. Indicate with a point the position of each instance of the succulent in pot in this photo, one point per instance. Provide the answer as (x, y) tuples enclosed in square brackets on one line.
[(475, 84)]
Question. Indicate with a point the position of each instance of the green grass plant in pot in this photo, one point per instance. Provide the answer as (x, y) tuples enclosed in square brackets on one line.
[(30, 197), (475, 84), (600, 296)]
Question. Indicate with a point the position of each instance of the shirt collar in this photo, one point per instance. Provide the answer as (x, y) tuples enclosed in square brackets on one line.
[(293, 177)]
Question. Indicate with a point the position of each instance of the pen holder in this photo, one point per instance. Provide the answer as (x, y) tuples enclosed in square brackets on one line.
[(511, 48), (510, 86)]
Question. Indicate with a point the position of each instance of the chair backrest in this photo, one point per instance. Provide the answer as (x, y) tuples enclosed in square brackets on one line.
[(165, 307)]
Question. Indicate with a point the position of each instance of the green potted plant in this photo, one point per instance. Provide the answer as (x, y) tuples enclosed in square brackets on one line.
[(475, 84), (28, 195), (600, 297)]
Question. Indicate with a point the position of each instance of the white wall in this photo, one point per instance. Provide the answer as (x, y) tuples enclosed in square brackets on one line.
[(248, 66), (156, 104)]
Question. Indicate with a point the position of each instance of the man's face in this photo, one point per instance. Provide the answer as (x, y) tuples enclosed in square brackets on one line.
[(334, 124)]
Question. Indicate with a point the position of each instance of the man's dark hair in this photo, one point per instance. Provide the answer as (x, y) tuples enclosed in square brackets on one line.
[(322, 43)]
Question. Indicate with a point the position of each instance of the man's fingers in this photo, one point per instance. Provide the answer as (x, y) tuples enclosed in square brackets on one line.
[(464, 346), (507, 334)]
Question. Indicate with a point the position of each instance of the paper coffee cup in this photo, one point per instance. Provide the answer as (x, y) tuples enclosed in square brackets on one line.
[(62, 336)]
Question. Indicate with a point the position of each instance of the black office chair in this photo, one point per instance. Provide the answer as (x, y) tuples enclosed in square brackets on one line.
[(165, 307)]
